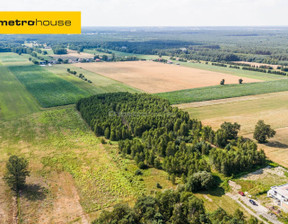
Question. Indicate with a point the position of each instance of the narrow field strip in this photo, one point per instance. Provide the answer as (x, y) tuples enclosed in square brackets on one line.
[(232, 71), (228, 100), (222, 92)]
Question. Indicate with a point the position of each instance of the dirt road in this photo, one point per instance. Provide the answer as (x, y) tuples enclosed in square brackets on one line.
[(255, 210)]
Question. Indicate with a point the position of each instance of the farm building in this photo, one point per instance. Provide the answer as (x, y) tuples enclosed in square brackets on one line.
[(280, 193)]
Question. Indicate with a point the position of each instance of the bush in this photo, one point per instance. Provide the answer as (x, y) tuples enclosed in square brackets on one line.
[(222, 82), (103, 141), (138, 172), (200, 181), (158, 186), (142, 165)]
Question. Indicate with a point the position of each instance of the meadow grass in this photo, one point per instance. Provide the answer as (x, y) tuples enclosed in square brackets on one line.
[(58, 140), (15, 100), (46, 87), (49, 89), (222, 92), (238, 72)]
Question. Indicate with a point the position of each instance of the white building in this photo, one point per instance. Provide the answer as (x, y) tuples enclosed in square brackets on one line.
[(280, 193)]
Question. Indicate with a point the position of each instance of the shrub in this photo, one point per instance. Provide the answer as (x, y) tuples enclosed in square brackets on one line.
[(222, 82), (103, 141), (199, 181), (142, 165), (138, 172)]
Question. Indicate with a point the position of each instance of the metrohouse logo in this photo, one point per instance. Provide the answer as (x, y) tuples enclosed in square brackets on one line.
[(40, 22)]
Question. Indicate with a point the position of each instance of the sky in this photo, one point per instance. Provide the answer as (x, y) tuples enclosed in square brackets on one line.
[(164, 12)]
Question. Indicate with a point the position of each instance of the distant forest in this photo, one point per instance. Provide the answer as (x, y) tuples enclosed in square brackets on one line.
[(252, 44)]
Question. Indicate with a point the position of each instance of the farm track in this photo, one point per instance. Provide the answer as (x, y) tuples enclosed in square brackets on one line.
[(251, 212)]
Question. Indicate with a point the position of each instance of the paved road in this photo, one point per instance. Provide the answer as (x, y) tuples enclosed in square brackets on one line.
[(253, 209)]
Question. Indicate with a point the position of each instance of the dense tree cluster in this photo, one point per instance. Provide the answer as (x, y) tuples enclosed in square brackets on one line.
[(59, 50), (177, 207), (155, 134), (238, 156)]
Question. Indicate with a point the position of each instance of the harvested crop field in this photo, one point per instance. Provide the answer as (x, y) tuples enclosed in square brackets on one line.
[(244, 110), (153, 77), (277, 147)]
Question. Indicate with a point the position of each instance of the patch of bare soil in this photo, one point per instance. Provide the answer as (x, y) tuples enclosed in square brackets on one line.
[(264, 172), (8, 209), (54, 200)]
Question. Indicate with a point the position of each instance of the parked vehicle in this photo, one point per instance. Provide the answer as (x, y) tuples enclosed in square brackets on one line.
[(252, 202), (241, 193)]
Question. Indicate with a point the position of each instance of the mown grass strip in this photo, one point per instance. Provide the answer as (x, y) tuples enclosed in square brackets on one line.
[(222, 92)]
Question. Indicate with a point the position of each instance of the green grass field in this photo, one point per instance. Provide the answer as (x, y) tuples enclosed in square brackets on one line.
[(51, 86), (222, 92), (49, 89), (46, 87), (100, 84), (15, 100), (232, 71)]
